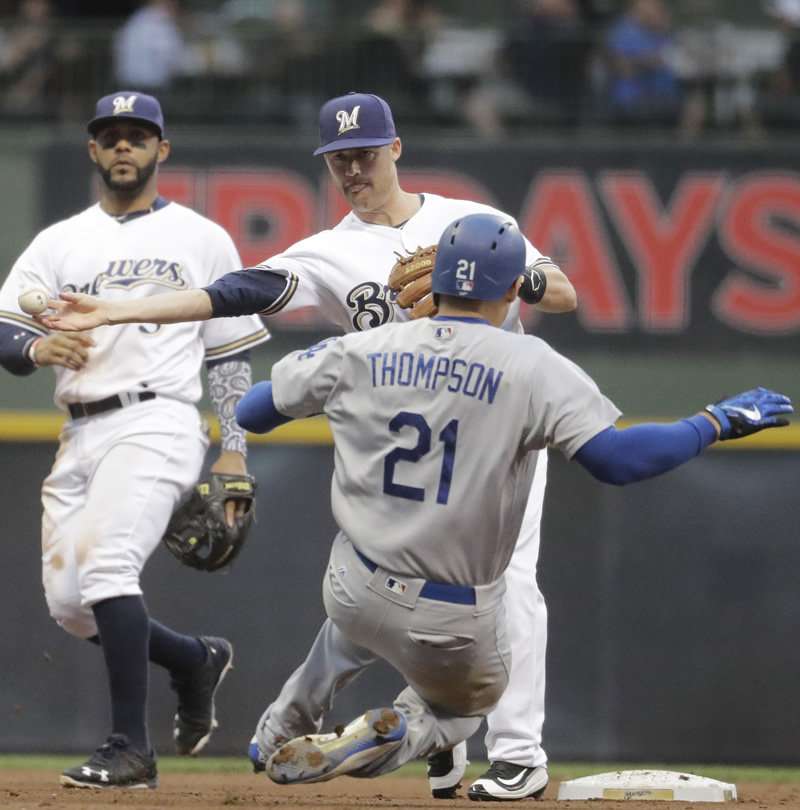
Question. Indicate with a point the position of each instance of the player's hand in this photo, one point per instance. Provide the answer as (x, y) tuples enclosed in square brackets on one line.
[(61, 349), (230, 462), (76, 312), (750, 412)]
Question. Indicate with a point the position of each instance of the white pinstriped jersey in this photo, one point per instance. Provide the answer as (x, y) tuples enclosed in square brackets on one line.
[(433, 422), (343, 271), (171, 248)]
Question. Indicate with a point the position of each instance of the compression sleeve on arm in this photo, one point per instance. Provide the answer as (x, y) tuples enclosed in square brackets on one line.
[(227, 378), (644, 451), (15, 343), (246, 292), (256, 410)]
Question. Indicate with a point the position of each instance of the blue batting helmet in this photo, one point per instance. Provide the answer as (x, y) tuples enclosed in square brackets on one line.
[(479, 256)]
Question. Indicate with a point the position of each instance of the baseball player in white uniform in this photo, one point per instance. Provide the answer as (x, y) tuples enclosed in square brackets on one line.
[(436, 424), (133, 443), (343, 273)]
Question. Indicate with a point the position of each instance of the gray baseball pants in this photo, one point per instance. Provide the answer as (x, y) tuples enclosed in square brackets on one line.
[(454, 657)]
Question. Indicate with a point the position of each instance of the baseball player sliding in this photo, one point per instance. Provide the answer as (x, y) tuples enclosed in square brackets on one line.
[(133, 444), (436, 424), (344, 273)]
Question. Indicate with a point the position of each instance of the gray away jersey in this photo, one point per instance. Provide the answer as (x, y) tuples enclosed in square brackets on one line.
[(433, 423)]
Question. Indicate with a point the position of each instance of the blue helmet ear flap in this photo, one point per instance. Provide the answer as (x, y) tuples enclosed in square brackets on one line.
[(479, 256)]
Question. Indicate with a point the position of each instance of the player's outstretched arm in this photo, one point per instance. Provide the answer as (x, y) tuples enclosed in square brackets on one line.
[(645, 451), (76, 312)]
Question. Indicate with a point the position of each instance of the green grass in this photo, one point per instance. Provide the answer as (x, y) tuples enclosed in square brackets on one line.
[(45, 762), (558, 772)]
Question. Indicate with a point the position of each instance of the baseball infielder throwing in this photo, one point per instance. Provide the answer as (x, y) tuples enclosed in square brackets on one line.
[(343, 272), (435, 423)]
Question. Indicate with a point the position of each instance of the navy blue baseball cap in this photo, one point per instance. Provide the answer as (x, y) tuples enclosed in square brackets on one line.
[(130, 105), (355, 121), (479, 256)]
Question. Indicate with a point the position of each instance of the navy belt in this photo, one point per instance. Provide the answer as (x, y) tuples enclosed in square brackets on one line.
[(440, 591), (77, 410)]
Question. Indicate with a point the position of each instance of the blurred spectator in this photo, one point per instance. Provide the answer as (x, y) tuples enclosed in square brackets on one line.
[(643, 87), (28, 60), (194, 61), (390, 49), (150, 49), (93, 9), (289, 64), (547, 52), (780, 100), (717, 62), (540, 71)]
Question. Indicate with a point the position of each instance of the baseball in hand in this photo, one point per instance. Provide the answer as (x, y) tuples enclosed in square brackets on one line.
[(33, 299)]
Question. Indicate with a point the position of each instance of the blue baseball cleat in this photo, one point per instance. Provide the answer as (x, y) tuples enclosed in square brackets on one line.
[(320, 757), (258, 761)]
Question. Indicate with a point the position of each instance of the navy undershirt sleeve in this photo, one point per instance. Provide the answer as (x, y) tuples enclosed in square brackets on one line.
[(644, 451), (245, 292), (14, 341), (256, 411)]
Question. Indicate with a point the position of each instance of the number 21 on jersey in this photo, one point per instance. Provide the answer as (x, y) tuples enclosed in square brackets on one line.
[(447, 436)]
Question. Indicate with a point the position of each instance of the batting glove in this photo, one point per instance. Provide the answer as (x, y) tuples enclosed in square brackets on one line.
[(750, 412)]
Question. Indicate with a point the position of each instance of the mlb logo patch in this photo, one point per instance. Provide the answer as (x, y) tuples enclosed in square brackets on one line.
[(444, 332), (464, 286), (395, 586)]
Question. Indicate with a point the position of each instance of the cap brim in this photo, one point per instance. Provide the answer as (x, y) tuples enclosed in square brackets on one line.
[(98, 123), (353, 143)]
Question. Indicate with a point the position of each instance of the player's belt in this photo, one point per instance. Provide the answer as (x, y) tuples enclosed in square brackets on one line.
[(440, 591), (77, 410)]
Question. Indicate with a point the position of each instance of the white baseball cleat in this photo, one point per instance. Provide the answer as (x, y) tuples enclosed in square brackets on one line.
[(505, 781), (320, 757), (446, 770)]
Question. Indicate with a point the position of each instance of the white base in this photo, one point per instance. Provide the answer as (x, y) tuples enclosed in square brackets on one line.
[(648, 786)]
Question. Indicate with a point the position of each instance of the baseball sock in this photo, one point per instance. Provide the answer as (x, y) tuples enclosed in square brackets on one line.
[(123, 626), (178, 653)]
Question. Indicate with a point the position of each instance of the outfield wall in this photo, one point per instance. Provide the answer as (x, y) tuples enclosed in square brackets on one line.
[(674, 612)]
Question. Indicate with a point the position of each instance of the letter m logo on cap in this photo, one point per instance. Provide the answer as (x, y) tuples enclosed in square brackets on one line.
[(124, 105), (348, 121)]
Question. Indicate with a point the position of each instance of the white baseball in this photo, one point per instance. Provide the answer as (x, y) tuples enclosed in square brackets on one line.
[(33, 299)]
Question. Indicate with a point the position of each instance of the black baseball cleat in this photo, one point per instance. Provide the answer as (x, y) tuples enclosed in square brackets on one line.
[(114, 765), (446, 770), (195, 719), (505, 781)]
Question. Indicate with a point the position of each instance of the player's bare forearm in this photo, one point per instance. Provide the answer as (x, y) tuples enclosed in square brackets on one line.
[(560, 295), (76, 312), (230, 462), (172, 307)]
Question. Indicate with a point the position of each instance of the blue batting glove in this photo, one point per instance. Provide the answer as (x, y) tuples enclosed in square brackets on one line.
[(750, 412)]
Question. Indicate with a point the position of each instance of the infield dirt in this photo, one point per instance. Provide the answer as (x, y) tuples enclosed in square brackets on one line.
[(26, 790)]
